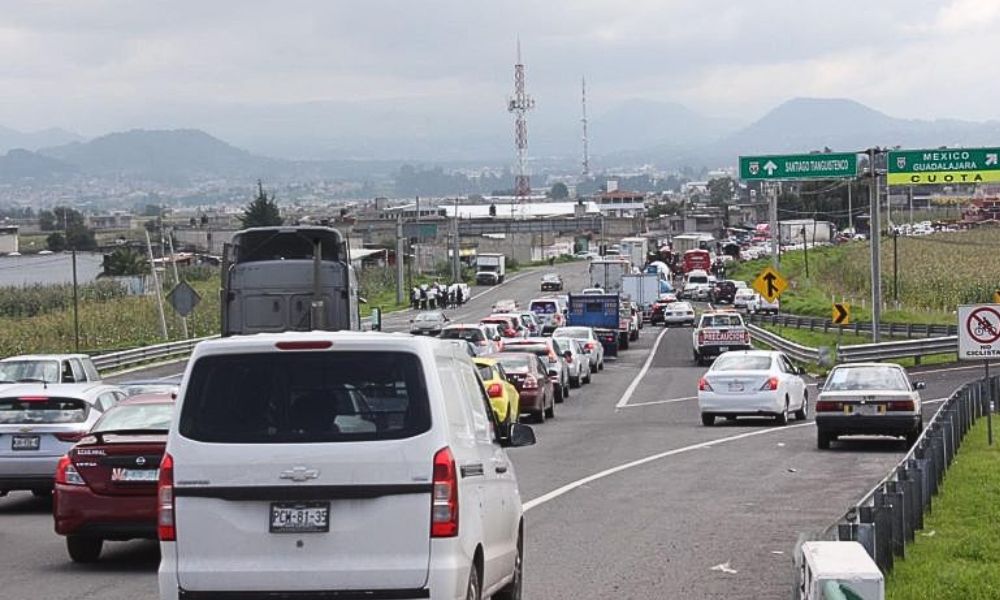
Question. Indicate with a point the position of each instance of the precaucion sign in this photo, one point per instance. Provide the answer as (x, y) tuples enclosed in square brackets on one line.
[(979, 332), (949, 165), (770, 284)]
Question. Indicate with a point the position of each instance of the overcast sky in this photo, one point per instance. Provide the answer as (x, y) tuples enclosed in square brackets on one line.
[(98, 65)]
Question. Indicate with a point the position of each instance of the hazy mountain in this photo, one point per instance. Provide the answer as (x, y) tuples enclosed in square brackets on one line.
[(161, 154), (11, 138), (637, 124), (19, 165)]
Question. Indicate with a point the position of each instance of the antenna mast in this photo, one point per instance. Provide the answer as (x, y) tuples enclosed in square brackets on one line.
[(519, 105), (583, 121)]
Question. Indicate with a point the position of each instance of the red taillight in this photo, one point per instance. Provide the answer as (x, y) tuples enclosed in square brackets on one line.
[(703, 385), (72, 436), (746, 338), (770, 385), (899, 405), (589, 346), (66, 473), (530, 383), (495, 390), (304, 345), (701, 338), (444, 501), (829, 406), (165, 501), (33, 398)]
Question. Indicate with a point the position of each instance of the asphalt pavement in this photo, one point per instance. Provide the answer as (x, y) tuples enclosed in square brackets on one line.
[(627, 494)]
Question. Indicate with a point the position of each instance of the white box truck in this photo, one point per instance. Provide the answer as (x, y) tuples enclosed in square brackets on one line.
[(683, 242), (636, 250), (491, 269), (642, 289), (607, 274), (838, 570)]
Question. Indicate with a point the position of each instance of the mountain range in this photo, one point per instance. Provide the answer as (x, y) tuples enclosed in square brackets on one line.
[(635, 132)]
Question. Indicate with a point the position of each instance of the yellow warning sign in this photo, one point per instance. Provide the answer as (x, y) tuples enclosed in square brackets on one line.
[(770, 284), (841, 313)]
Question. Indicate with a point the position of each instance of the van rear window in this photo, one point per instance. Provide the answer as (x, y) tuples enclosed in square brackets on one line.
[(544, 308), (305, 397)]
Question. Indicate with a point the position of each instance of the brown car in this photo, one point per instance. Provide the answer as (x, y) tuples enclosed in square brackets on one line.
[(530, 376)]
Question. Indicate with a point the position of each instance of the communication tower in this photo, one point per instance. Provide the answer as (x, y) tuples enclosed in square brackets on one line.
[(519, 105), (583, 121)]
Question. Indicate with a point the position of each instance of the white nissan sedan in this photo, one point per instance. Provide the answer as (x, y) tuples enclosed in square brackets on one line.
[(749, 383)]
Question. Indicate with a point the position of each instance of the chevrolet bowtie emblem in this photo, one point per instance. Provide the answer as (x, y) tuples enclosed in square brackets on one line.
[(300, 474)]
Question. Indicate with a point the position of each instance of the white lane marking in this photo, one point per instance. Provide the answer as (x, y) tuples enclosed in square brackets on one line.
[(642, 372), (934, 401), (569, 487), (654, 402)]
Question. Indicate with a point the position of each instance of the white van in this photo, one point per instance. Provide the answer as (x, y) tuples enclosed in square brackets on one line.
[(337, 464)]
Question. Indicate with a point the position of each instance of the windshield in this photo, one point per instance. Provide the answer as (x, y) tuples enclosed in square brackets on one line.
[(136, 389), (469, 335), (38, 409), (295, 397), (429, 317), (514, 363), (544, 308), (742, 362), (721, 321), (698, 279), (136, 416), (33, 370), (875, 378)]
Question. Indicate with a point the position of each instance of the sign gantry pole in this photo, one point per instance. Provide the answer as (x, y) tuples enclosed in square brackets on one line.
[(875, 235)]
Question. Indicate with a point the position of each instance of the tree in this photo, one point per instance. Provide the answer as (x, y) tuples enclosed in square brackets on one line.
[(721, 190), (125, 261), (56, 242), (79, 237), (559, 191), (262, 211)]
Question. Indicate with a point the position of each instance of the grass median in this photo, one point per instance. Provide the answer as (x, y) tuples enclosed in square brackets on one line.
[(955, 556)]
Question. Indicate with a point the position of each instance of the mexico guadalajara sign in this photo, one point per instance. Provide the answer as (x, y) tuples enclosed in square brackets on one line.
[(950, 165)]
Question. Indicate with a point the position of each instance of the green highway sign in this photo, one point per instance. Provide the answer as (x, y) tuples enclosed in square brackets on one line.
[(798, 166), (946, 165)]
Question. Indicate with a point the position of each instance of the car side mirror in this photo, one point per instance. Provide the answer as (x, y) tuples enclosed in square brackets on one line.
[(518, 435), (920, 385)]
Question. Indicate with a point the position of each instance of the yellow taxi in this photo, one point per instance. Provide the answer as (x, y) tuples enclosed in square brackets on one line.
[(503, 395)]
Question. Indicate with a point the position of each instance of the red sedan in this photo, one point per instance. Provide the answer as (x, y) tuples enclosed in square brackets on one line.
[(105, 487), (530, 377)]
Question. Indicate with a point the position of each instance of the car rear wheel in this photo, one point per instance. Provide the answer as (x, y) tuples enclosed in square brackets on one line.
[(84, 549), (575, 382), (782, 417), (512, 591), (539, 416), (550, 412), (473, 592), (707, 419), (803, 413)]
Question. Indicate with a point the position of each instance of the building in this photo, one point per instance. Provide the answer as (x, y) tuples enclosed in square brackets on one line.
[(8, 239), (621, 203), (116, 220)]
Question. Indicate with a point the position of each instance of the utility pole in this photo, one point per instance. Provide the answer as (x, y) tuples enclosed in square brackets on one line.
[(773, 218), (895, 265), (876, 237), (850, 211), (805, 249), (156, 286), (177, 281), (76, 305), (583, 121), (456, 266), (910, 189), (399, 258)]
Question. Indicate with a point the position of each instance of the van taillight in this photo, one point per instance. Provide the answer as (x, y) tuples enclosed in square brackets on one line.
[(444, 501), (304, 345), (165, 501)]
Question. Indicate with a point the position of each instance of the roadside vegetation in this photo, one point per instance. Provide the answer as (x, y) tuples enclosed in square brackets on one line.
[(936, 274), (955, 556)]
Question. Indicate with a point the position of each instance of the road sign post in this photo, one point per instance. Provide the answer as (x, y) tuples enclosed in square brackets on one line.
[(786, 167), (944, 166)]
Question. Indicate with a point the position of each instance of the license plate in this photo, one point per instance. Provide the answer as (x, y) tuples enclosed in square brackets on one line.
[(26, 442), (140, 475), (735, 387), (300, 517), (723, 348)]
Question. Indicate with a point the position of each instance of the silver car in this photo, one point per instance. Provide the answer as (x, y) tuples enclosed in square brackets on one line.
[(478, 336), (430, 322), (592, 346), (40, 423), (577, 362)]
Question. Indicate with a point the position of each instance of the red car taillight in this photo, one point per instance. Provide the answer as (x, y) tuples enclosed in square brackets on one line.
[(495, 390), (72, 436), (701, 338), (829, 406), (589, 346), (703, 385), (770, 385), (165, 501), (67, 474), (530, 383), (444, 502), (746, 338), (899, 405)]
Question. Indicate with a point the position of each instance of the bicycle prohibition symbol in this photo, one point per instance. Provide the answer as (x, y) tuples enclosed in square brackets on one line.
[(983, 325)]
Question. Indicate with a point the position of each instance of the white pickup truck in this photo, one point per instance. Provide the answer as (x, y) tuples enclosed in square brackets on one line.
[(719, 332)]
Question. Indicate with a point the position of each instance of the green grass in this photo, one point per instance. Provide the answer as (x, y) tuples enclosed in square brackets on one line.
[(959, 561)]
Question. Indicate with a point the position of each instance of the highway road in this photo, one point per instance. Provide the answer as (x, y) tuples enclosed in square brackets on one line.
[(627, 494)]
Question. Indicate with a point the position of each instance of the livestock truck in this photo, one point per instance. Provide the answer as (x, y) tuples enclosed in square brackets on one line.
[(278, 279)]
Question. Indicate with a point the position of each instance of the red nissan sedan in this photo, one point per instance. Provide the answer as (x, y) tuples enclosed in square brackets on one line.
[(105, 486)]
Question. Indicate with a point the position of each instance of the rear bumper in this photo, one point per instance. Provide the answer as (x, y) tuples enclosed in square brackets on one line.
[(79, 511), (406, 594), (531, 401), (737, 405), (867, 424)]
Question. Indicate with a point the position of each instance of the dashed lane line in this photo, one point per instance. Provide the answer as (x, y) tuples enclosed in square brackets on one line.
[(642, 372)]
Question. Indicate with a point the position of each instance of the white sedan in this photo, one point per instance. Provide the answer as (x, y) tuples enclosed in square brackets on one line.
[(678, 313), (748, 383)]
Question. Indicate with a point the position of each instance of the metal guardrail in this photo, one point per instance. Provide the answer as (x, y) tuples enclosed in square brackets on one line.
[(915, 348), (909, 330), (136, 356), (885, 519)]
